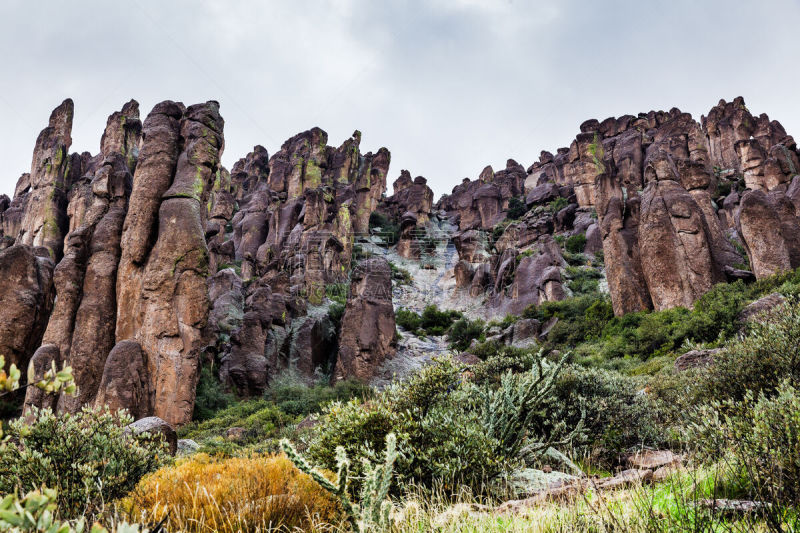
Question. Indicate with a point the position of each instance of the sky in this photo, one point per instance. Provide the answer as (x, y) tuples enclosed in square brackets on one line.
[(449, 86)]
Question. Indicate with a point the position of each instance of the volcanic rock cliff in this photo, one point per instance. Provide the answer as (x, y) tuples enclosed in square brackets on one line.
[(668, 198), (148, 260)]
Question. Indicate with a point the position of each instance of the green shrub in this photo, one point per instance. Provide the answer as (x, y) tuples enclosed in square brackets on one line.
[(389, 230), (757, 439), (37, 512), (296, 399), (446, 437), (210, 396), (580, 319), (767, 355), (617, 416), (583, 280), (260, 418), (88, 457), (463, 332), (408, 320), (557, 205), (516, 414), (576, 243), (432, 321), (516, 208)]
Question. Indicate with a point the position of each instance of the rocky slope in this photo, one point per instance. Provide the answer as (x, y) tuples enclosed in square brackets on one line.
[(143, 262)]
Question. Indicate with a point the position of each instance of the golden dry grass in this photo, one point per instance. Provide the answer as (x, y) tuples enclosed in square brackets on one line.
[(259, 494)]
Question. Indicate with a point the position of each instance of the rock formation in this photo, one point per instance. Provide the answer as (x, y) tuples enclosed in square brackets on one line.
[(140, 263), (26, 297), (411, 205), (368, 326)]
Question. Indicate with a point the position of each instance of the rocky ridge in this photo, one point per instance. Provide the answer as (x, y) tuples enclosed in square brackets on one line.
[(140, 264)]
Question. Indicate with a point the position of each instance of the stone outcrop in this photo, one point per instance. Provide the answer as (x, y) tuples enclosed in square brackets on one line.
[(162, 289), (481, 204), (140, 263), (298, 213), (44, 219), (368, 326), (770, 231), (26, 297), (411, 206)]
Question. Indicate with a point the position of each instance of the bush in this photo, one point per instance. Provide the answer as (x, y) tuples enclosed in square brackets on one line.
[(576, 243), (261, 493), (446, 437), (557, 205), (37, 512), (389, 230), (580, 319), (767, 355), (516, 208), (432, 321), (88, 458), (296, 399), (261, 418), (440, 439), (210, 396), (758, 440), (617, 415), (408, 320), (463, 332), (436, 322), (583, 280)]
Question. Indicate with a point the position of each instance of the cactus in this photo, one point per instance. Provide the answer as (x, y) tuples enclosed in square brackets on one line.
[(373, 513), (508, 411)]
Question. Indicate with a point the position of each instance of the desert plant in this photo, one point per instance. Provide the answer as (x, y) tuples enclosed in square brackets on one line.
[(36, 513), (576, 243), (758, 438), (89, 457), (372, 513), (512, 412), (463, 332), (257, 493), (766, 356)]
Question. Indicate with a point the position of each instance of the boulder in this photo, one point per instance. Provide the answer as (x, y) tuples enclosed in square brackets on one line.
[(186, 447), (696, 359), (158, 428), (652, 459), (124, 383), (765, 304)]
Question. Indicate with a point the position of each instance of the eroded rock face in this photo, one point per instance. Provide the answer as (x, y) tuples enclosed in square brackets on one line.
[(44, 219), (411, 205), (674, 246), (368, 325), (26, 298), (293, 233), (162, 286), (481, 204), (770, 231)]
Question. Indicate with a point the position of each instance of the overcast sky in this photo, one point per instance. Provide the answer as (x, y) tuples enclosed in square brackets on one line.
[(448, 86)]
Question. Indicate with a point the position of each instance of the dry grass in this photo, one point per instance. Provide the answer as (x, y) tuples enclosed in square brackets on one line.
[(258, 494)]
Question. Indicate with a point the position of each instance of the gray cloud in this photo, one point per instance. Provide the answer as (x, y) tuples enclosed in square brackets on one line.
[(447, 85)]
